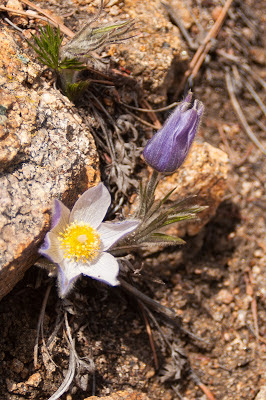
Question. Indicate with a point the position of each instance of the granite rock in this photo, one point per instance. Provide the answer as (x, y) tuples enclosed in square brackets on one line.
[(46, 152), (204, 174), (156, 54)]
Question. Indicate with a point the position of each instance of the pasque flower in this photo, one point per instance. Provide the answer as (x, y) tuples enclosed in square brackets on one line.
[(78, 239), (168, 148)]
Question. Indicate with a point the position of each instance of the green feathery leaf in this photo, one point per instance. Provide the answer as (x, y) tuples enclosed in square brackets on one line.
[(48, 45), (162, 238)]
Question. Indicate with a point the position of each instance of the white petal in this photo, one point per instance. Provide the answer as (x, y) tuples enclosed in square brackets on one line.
[(60, 217), (105, 269), (51, 248), (111, 232), (67, 276), (92, 206)]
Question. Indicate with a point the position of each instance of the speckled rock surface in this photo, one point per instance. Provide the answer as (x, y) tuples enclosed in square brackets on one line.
[(46, 152), (203, 174), (155, 55), (18, 105)]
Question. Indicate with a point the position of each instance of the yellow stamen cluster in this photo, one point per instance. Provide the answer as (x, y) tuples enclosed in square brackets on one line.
[(80, 242)]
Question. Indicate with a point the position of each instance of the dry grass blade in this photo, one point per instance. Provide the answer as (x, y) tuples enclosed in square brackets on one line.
[(149, 332), (240, 114), (68, 378), (152, 115), (255, 96), (165, 312), (28, 14), (173, 16), (201, 385), (177, 393), (148, 110), (39, 326), (50, 19), (142, 121), (13, 25), (71, 366), (204, 48)]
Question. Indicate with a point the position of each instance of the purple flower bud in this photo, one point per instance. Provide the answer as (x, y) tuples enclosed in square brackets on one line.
[(167, 149)]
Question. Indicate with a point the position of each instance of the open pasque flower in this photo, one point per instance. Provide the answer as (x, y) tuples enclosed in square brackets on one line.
[(78, 240), (167, 149)]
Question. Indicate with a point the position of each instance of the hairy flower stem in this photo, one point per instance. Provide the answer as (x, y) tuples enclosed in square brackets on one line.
[(147, 195), (147, 300), (166, 312), (151, 189)]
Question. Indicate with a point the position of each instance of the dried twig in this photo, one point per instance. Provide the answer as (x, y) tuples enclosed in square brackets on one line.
[(50, 18), (232, 154), (255, 96), (204, 48), (177, 393), (152, 115), (39, 326), (143, 122), (71, 367), (149, 332), (195, 378), (202, 386), (254, 309), (240, 114), (27, 14), (173, 16), (165, 312), (148, 110), (13, 25)]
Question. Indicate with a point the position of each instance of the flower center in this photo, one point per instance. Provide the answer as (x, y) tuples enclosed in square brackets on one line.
[(80, 242)]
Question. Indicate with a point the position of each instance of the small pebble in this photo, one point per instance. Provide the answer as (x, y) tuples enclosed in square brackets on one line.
[(224, 296), (34, 380)]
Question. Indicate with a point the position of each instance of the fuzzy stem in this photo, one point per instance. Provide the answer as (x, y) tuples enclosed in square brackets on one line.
[(151, 189), (147, 195)]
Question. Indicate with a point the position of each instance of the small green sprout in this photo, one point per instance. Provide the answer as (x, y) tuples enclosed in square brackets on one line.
[(69, 59), (48, 45)]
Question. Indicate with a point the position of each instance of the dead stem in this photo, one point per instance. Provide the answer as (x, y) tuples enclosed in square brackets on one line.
[(71, 366), (29, 14), (203, 49), (255, 96), (40, 326), (149, 110), (254, 309), (177, 392), (173, 352), (50, 18), (201, 385), (240, 114), (149, 332), (152, 115), (235, 160), (165, 312), (142, 121), (13, 25), (178, 22), (68, 378)]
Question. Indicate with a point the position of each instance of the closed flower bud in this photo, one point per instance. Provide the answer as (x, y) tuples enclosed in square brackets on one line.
[(167, 149)]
